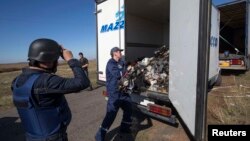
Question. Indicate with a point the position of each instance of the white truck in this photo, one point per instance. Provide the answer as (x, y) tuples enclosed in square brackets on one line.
[(235, 35), (140, 27)]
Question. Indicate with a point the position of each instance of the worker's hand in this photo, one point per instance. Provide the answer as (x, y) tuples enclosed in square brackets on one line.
[(66, 54)]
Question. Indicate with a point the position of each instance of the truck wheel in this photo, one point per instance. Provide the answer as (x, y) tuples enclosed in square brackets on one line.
[(218, 81)]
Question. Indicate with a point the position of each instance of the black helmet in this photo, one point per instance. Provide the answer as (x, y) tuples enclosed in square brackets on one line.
[(44, 50)]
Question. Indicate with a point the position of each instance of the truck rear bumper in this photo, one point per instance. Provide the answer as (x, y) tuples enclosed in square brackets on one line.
[(234, 68), (152, 95), (141, 102), (172, 119)]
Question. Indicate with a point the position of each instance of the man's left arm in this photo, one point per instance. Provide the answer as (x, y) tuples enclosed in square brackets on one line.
[(59, 85)]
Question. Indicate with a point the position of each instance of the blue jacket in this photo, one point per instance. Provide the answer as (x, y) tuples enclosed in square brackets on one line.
[(114, 72), (46, 96)]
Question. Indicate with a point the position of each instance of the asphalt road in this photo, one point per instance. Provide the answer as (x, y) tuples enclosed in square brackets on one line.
[(88, 110)]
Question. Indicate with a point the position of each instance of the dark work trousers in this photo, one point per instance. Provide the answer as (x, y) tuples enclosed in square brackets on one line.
[(113, 105), (87, 74), (61, 136)]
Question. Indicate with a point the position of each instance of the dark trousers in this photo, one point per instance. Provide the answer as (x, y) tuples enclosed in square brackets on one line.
[(87, 74), (123, 102), (62, 136)]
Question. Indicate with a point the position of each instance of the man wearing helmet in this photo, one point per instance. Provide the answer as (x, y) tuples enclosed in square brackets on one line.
[(38, 93)]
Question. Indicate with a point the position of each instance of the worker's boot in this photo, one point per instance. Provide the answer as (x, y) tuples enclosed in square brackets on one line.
[(100, 135)]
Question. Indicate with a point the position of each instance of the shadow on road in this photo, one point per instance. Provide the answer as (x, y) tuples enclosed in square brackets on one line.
[(140, 122), (11, 130), (232, 72)]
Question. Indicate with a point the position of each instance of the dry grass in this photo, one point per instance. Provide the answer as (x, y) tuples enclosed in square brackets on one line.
[(8, 76), (5, 89), (230, 104), (12, 67)]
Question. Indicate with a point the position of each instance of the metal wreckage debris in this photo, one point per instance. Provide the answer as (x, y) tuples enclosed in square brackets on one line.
[(147, 74)]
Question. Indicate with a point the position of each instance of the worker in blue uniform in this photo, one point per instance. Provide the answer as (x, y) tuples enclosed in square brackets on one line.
[(115, 69), (38, 93)]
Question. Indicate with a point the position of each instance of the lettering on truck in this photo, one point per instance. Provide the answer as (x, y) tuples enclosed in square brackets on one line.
[(213, 41), (119, 24)]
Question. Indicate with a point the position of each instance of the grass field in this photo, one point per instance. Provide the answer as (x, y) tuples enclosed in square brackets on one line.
[(227, 104), (9, 71), (230, 102), (12, 67)]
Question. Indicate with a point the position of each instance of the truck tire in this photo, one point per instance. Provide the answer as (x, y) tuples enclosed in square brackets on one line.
[(218, 81)]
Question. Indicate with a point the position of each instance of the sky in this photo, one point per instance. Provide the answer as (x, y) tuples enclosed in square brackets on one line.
[(69, 22), (218, 2)]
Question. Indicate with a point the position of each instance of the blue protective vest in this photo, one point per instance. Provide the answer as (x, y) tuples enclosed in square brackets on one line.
[(39, 122)]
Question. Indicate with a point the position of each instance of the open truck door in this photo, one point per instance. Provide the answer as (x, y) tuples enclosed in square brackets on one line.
[(110, 16), (189, 60), (186, 33), (234, 35)]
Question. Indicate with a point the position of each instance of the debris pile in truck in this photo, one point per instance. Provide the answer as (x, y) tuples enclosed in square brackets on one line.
[(148, 74)]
